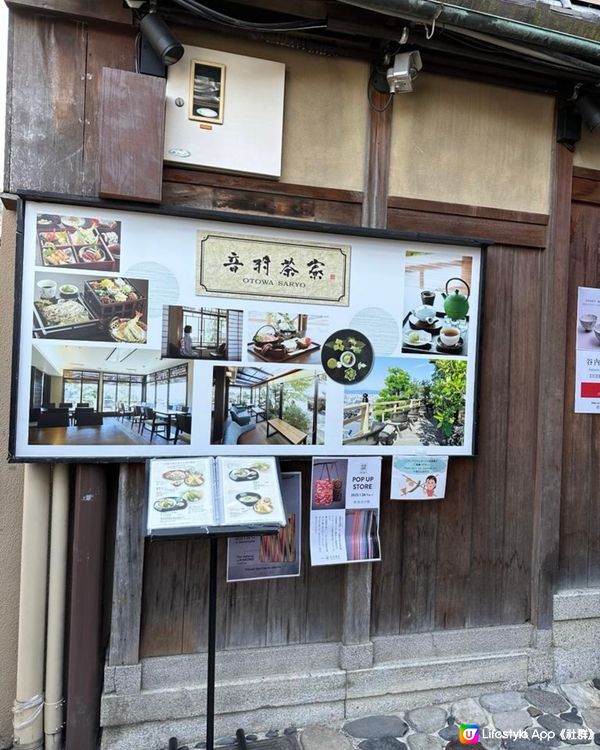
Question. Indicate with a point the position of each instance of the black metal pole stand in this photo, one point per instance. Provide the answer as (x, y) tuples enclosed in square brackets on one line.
[(212, 651), (212, 646)]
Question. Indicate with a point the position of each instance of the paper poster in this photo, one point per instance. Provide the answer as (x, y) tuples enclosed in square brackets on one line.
[(587, 355), (274, 555), (344, 513), (419, 477)]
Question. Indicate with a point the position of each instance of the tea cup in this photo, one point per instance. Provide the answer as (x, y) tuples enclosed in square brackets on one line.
[(588, 321), (47, 288), (427, 297), (449, 336)]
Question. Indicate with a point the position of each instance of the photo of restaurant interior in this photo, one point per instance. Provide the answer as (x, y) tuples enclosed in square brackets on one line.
[(202, 333), (108, 396), (268, 406)]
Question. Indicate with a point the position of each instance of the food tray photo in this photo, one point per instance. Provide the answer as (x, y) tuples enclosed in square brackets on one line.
[(63, 250), (113, 298), (59, 318), (79, 242), (280, 355)]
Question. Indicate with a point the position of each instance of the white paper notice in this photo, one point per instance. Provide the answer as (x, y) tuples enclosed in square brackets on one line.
[(587, 355), (419, 477), (327, 537), (344, 511)]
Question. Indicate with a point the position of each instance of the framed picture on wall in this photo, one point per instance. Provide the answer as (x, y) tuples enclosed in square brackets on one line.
[(207, 91)]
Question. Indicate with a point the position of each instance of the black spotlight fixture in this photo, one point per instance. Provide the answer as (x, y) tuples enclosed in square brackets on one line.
[(589, 109), (159, 48)]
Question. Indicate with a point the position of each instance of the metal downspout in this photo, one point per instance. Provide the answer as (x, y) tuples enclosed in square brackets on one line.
[(428, 11), (28, 720), (57, 582)]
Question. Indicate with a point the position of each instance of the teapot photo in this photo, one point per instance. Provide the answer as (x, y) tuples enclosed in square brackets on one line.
[(425, 313), (456, 305)]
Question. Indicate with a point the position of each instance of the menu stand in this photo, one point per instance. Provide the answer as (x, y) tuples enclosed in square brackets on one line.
[(212, 635)]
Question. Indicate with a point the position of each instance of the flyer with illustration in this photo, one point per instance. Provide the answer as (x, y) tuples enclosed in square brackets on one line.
[(344, 511), (419, 477), (273, 555)]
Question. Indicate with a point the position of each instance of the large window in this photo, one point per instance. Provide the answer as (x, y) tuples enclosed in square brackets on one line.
[(167, 388), (120, 389), (81, 386), (209, 327)]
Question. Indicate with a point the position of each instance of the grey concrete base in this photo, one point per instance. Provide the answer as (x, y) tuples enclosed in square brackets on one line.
[(576, 634), (154, 735), (146, 704)]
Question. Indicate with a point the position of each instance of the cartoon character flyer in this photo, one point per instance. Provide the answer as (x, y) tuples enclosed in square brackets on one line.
[(419, 477)]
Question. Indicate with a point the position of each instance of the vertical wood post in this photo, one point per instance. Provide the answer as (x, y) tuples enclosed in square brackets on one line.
[(357, 649), (129, 568), (85, 658), (551, 399)]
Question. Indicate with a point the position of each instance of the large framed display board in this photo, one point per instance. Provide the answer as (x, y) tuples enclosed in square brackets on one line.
[(142, 332)]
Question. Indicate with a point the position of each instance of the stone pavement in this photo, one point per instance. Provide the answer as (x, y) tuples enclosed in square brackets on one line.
[(542, 716)]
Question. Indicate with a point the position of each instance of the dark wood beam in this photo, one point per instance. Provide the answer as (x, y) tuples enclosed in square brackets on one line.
[(107, 11), (551, 394), (85, 658), (128, 571)]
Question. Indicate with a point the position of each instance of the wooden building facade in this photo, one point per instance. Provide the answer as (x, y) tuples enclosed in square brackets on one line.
[(464, 596)]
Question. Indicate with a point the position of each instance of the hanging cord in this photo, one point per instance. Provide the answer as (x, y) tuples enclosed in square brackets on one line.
[(220, 18), (429, 33), (35, 705)]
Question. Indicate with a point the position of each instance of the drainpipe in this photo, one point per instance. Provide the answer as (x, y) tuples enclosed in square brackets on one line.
[(57, 577), (29, 703), (428, 11)]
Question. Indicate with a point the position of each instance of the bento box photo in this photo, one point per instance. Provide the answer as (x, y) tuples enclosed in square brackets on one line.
[(114, 298), (79, 242)]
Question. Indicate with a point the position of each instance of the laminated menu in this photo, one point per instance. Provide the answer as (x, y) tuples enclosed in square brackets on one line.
[(213, 495)]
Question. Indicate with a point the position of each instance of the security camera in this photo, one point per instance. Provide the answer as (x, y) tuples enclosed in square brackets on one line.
[(405, 69)]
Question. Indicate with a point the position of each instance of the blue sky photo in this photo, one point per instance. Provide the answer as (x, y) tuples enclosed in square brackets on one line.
[(417, 367)]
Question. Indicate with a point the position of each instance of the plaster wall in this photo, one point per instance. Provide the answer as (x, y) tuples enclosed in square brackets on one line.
[(325, 112), (471, 143), (11, 480), (587, 151)]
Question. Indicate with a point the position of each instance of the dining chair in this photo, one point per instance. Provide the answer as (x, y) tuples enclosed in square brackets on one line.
[(136, 416), (183, 428), (155, 424)]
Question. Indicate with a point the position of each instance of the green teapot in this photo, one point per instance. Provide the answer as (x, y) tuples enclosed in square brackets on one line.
[(456, 305)]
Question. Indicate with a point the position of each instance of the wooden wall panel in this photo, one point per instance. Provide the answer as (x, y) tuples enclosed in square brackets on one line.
[(466, 560), (580, 506), (307, 609), (131, 104), (105, 48), (46, 105)]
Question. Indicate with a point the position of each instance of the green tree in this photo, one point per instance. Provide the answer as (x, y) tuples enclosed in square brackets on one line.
[(398, 385), (448, 386)]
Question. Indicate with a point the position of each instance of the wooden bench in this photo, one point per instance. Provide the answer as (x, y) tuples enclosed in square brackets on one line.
[(290, 433)]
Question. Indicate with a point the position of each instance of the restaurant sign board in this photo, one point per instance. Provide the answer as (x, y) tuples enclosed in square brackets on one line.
[(146, 333)]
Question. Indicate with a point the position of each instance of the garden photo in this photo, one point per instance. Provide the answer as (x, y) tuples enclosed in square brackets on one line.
[(408, 401)]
